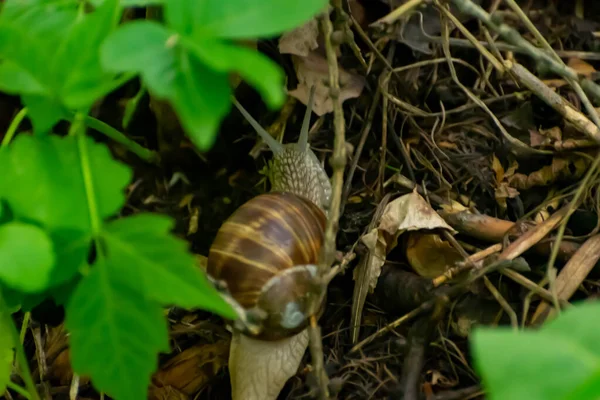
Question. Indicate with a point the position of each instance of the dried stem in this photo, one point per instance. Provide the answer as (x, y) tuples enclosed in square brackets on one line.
[(512, 36), (338, 164)]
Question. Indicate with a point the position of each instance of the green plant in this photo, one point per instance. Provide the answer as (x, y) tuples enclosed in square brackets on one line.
[(60, 196), (559, 361)]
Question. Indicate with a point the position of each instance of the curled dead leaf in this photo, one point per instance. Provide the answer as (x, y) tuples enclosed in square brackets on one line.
[(561, 168), (405, 214), (429, 255), (411, 213), (376, 243)]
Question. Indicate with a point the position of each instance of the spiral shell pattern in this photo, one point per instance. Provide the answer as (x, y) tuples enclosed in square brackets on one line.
[(267, 234)]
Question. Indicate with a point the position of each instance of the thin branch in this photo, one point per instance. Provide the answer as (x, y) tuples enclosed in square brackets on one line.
[(338, 164)]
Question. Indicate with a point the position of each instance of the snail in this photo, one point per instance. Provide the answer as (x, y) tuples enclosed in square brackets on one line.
[(265, 255)]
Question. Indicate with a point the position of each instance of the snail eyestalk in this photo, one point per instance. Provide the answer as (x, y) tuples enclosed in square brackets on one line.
[(303, 140), (274, 145)]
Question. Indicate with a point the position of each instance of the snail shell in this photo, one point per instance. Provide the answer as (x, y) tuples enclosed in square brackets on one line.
[(266, 252)]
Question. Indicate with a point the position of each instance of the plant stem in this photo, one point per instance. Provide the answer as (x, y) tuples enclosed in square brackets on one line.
[(24, 327), (18, 389), (12, 129), (119, 137), (21, 359), (78, 130)]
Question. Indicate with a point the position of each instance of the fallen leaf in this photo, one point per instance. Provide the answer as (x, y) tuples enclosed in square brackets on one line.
[(313, 70), (429, 255), (58, 357), (300, 41), (377, 245), (581, 67), (503, 192), (561, 168), (407, 213), (192, 369), (411, 213)]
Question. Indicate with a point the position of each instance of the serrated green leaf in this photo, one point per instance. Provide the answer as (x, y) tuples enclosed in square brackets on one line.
[(39, 28), (115, 334), (530, 365), (26, 256), (141, 47), (43, 112), (7, 345), (257, 69), (201, 100), (77, 62), (43, 181), (241, 19), (199, 95), (72, 250), (147, 257)]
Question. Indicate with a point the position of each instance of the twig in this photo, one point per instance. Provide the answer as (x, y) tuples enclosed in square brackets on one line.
[(363, 138), (338, 164), (465, 43), (555, 101), (573, 82), (512, 36)]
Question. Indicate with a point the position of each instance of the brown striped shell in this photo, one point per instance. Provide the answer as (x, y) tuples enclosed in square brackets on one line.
[(266, 252)]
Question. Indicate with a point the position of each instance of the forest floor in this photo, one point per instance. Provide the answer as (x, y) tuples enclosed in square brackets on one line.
[(457, 120)]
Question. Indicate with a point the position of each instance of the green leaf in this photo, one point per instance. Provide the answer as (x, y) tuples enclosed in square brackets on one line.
[(72, 250), (43, 112), (7, 345), (201, 100), (141, 47), (580, 324), (144, 255), (77, 62), (257, 69), (530, 365), (26, 256), (15, 80), (199, 95), (43, 181), (238, 19), (588, 390), (115, 334)]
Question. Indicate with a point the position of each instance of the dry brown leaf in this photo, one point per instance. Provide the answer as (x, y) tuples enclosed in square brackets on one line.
[(581, 67), (503, 192), (429, 255), (378, 248), (407, 213), (300, 41), (562, 168), (166, 393), (313, 70), (192, 369), (411, 213), (58, 357)]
